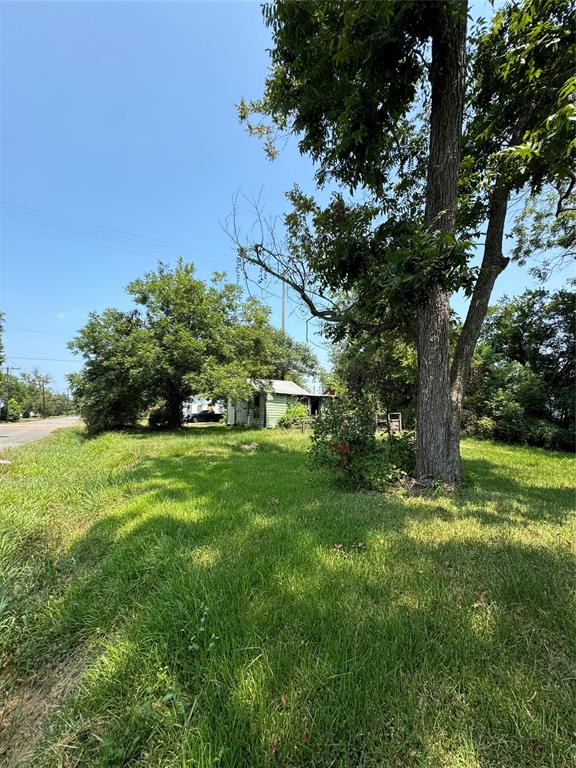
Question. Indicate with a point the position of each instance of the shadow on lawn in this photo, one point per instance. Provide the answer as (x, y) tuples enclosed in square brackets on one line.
[(535, 502), (245, 634)]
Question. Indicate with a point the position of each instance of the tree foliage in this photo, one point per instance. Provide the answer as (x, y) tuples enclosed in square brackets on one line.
[(522, 380), (370, 89), (382, 369), (344, 77), (520, 130), (30, 394), (544, 233), (185, 337), (537, 331)]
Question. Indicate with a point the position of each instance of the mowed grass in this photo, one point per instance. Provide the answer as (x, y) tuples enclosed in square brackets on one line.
[(175, 600)]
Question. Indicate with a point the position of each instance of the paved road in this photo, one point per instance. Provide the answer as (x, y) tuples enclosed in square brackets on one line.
[(27, 430)]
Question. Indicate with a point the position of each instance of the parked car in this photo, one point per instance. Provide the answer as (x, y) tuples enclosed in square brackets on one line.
[(195, 418)]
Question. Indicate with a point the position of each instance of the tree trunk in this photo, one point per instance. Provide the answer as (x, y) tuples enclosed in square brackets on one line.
[(433, 407), (493, 262), (174, 406)]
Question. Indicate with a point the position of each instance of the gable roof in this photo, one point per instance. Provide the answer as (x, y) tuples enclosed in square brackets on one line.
[(279, 387)]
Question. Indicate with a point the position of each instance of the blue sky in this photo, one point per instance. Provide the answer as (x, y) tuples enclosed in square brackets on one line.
[(119, 117)]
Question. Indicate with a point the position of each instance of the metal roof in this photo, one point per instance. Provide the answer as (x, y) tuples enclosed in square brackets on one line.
[(280, 387)]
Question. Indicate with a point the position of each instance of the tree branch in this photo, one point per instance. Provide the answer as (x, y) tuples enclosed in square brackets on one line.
[(263, 250), (493, 262), (563, 196)]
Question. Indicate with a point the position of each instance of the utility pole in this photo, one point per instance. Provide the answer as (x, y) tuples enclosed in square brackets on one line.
[(43, 400), (7, 387), (6, 390), (283, 307)]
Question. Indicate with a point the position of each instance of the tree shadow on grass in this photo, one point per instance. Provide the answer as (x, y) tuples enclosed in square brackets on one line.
[(237, 633), (529, 502)]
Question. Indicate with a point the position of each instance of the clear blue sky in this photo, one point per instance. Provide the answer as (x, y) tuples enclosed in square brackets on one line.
[(122, 115)]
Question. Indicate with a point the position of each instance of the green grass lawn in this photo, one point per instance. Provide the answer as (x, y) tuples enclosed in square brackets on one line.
[(174, 600)]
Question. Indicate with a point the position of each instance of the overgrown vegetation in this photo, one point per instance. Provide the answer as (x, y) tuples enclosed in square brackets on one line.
[(162, 606), (441, 130), (295, 414), (185, 337), (523, 374), (344, 440), (30, 394), (521, 387)]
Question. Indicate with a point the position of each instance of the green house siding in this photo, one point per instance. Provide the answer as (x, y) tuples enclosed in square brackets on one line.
[(241, 413), (263, 409), (276, 406), (258, 418)]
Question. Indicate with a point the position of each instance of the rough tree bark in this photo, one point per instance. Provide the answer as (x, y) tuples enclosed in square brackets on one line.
[(174, 406), (493, 262), (433, 407)]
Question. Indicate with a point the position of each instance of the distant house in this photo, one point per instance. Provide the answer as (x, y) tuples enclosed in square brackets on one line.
[(270, 400), (197, 404)]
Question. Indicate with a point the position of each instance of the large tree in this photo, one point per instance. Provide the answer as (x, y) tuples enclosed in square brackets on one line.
[(375, 91), (185, 337), (538, 331), (37, 393)]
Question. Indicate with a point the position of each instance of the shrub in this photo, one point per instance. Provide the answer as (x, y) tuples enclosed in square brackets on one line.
[(100, 416), (159, 418), (565, 439), (510, 420), (469, 422), (485, 427), (344, 440), (14, 410), (541, 432), (293, 416), (548, 435), (402, 451), (103, 404)]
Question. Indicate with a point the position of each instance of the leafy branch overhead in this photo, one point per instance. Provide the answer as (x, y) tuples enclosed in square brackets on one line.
[(381, 96)]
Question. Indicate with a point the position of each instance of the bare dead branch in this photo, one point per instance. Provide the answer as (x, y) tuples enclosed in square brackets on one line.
[(263, 249)]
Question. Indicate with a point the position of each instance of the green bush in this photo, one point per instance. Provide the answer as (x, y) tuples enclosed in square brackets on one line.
[(548, 435), (107, 414), (565, 440), (513, 426), (469, 422), (14, 410), (541, 432), (293, 416), (509, 417), (344, 440), (159, 418), (485, 427), (402, 451), (106, 402)]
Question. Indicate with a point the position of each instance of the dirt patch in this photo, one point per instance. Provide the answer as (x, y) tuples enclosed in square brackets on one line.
[(24, 713)]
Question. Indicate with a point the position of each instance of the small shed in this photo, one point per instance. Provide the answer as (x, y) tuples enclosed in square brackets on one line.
[(270, 400)]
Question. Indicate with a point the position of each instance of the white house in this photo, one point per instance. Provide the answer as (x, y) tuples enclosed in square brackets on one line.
[(197, 404)]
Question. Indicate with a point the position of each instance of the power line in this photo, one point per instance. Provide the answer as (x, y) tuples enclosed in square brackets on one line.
[(45, 359), (36, 221), (43, 222), (119, 247), (57, 226), (36, 212), (35, 330)]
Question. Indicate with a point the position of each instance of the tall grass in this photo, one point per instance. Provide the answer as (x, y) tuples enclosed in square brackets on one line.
[(231, 607)]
